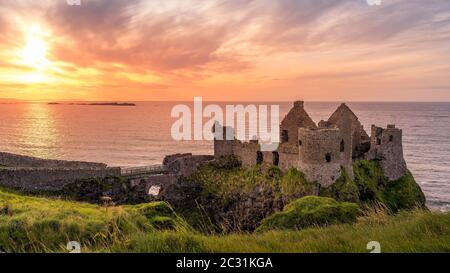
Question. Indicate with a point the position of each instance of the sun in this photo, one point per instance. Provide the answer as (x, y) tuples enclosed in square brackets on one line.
[(34, 52)]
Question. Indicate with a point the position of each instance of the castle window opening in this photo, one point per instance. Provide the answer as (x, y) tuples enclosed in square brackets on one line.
[(391, 138), (328, 157), (276, 158), (259, 157), (342, 146), (284, 136), (356, 148), (378, 141), (300, 143)]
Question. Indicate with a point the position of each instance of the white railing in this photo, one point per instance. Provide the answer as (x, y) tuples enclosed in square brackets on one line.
[(142, 170)]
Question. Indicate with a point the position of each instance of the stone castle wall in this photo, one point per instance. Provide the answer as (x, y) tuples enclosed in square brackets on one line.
[(187, 165), (321, 151), (49, 179), (319, 155), (386, 146), (247, 152), (13, 160)]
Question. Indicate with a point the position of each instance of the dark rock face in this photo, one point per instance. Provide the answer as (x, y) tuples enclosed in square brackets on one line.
[(92, 190), (245, 213), (181, 194), (230, 198)]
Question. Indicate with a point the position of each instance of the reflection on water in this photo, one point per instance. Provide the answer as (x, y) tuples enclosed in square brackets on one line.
[(38, 134), (137, 136)]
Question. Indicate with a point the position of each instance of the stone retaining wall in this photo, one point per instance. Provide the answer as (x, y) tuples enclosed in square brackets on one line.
[(49, 179), (13, 160)]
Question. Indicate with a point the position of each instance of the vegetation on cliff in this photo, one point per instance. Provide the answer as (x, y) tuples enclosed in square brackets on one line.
[(238, 199), (35, 224), (235, 198), (226, 201), (370, 186), (311, 211)]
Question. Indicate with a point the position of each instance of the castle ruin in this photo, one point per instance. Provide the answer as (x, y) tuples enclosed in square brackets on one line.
[(321, 150)]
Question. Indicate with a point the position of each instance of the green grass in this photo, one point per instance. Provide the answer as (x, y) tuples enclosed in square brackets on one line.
[(414, 231), (370, 186), (311, 211), (36, 224), (227, 184)]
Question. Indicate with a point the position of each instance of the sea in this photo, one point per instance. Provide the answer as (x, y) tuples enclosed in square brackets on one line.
[(140, 135)]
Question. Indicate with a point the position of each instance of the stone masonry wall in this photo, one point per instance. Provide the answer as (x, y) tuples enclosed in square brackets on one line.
[(288, 156), (320, 155), (386, 146), (49, 179), (247, 152), (13, 160), (187, 165)]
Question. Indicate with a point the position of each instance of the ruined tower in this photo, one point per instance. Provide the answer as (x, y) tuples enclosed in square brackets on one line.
[(386, 146), (223, 140), (296, 118), (319, 154), (354, 140), (288, 149)]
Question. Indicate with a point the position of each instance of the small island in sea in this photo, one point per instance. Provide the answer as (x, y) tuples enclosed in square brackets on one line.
[(96, 103)]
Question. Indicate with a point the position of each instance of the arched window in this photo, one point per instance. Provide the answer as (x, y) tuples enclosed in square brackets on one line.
[(328, 157), (342, 146), (300, 143)]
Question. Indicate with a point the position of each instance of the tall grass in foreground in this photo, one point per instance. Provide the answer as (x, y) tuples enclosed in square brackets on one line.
[(34, 224), (415, 231)]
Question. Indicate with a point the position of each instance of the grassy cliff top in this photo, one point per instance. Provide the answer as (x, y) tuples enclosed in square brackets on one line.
[(35, 224)]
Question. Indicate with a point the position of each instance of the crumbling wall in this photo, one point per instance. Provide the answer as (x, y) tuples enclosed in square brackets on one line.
[(49, 179), (288, 156), (224, 141), (223, 147), (247, 152), (353, 133), (13, 160), (319, 155), (386, 146), (296, 118), (187, 165)]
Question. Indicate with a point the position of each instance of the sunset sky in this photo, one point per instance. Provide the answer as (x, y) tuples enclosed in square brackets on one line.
[(225, 50)]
